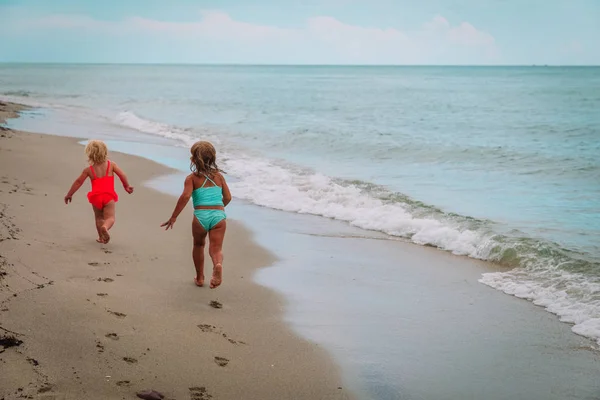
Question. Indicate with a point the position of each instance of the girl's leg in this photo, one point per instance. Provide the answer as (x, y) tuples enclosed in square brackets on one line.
[(199, 235), (99, 217), (109, 214), (215, 250), (109, 220)]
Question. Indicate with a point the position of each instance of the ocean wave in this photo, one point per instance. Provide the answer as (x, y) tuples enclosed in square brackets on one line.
[(18, 93), (563, 281), (27, 95), (131, 120)]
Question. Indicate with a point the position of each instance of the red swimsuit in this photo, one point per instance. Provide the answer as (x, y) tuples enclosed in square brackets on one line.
[(103, 189)]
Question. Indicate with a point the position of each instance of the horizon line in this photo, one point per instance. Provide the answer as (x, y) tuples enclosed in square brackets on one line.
[(294, 65)]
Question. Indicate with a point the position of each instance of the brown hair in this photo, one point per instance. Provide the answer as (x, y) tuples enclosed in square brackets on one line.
[(96, 152), (204, 159)]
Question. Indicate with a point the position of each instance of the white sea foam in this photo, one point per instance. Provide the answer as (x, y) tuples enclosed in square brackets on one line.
[(572, 297), (267, 184)]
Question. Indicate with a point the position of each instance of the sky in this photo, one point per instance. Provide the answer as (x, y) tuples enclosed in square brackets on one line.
[(371, 32)]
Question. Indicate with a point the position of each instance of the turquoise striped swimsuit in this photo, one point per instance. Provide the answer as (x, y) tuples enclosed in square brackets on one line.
[(208, 196)]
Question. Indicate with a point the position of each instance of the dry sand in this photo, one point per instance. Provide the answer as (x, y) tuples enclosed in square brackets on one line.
[(105, 321)]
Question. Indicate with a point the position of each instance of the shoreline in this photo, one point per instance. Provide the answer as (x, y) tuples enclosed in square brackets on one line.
[(112, 320)]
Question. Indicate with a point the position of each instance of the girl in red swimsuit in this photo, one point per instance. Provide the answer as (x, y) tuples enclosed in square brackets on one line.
[(103, 196)]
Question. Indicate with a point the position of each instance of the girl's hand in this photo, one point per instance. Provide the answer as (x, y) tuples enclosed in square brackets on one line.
[(68, 199), (169, 223), (129, 189)]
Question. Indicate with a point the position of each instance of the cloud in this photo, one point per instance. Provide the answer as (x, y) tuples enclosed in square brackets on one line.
[(467, 34), (322, 39), (456, 43), (216, 24)]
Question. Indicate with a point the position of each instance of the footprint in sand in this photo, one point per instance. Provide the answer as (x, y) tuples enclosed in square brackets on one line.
[(199, 393), (112, 336), (106, 251), (124, 383), (102, 294), (107, 280), (45, 389), (130, 360), (206, 328), (221, 361), (215, 304), (100, 347), (230, 340), (94, 264), (117, 314)]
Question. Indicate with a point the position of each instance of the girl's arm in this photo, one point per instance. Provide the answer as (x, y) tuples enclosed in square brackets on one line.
[(123, 178), (188, 188), (226, 192), (76, 185)]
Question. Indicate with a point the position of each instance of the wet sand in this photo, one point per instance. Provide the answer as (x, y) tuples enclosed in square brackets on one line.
[(106, 321), (413, 322)]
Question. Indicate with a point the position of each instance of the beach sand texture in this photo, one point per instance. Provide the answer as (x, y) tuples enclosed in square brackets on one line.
[(106, 321)]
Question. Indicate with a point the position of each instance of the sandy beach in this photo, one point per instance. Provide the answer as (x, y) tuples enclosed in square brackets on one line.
[(106, 321)]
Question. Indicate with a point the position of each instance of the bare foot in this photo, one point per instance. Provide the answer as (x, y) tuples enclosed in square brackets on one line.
[(217, 276), (104, 235), (199, 282), (99, 240)]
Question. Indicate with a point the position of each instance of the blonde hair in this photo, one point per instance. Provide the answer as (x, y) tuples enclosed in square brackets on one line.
[(203, 159), (96, 152)]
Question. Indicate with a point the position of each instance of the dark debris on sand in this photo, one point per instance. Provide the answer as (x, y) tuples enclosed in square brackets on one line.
[(10, 341), (33, 361), (3, 263), (117, 314), (150, 395)]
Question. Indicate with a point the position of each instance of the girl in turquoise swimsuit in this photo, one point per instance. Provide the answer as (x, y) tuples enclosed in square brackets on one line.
[(210, 194)]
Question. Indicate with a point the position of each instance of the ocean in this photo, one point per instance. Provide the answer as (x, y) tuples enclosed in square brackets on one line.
[(493, 163)]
